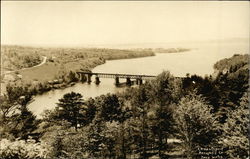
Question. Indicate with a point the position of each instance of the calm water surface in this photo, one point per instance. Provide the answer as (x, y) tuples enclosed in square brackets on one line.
[(199, 60)]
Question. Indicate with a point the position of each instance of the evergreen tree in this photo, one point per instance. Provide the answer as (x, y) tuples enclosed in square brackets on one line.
[(140, 109), (71, 108), (110, 107), (16, 119)]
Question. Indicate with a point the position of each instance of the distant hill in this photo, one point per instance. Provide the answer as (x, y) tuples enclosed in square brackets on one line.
[(170, 50), (233, 65)]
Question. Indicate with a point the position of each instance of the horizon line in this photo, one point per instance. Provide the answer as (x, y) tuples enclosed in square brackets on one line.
[(120, 44)]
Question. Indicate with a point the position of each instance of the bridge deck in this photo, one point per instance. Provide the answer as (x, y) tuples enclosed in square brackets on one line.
[(114, 75)]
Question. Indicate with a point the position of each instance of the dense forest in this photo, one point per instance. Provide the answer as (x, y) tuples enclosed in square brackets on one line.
[(17, 57), (166, 117)]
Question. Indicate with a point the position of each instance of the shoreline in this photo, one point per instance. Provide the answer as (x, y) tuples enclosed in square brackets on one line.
[(43, 87), (55, 86)]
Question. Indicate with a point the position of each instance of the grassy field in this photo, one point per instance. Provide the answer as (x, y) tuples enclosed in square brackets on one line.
[(51, 70)]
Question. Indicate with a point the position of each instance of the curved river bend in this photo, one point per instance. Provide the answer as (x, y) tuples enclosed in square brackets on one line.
[(197, 61)]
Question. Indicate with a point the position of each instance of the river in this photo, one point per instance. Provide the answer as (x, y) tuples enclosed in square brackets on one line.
[(199, 60)]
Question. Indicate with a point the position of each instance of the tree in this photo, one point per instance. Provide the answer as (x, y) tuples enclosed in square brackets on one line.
[(90, 112), (15, 117), (195, 125), (24, 123), (23, 149), (109, 107), (124, 139), (232, 84), (72, 77), (96, 138), (110, 134), (140, 109), (162, 92), (235, 134), (56, 138), (71, 108)]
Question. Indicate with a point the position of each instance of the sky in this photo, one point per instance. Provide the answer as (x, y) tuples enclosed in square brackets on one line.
[(76, 23)]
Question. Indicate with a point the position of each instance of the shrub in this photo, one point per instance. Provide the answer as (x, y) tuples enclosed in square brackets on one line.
[(21, 149)]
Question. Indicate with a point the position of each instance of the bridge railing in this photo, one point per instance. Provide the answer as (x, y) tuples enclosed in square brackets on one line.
[(114, 75)]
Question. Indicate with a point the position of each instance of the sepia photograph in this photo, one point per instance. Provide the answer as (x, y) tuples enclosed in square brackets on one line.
[(124, 80)]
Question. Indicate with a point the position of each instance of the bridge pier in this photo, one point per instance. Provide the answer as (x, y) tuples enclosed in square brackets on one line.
[(97, 80), (139, 81), (117, 81), (82, 78), (89, 78), (130, 79), (128, 82)]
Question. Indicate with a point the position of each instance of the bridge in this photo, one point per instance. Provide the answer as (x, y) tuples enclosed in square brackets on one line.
[(138, 79)]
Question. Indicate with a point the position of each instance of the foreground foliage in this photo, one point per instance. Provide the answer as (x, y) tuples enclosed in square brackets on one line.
[(236, 130), (23, 149), (164, 118), (195, 124)]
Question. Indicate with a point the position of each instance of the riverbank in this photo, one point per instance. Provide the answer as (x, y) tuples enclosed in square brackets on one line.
[(62, 63), (59, 66)]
